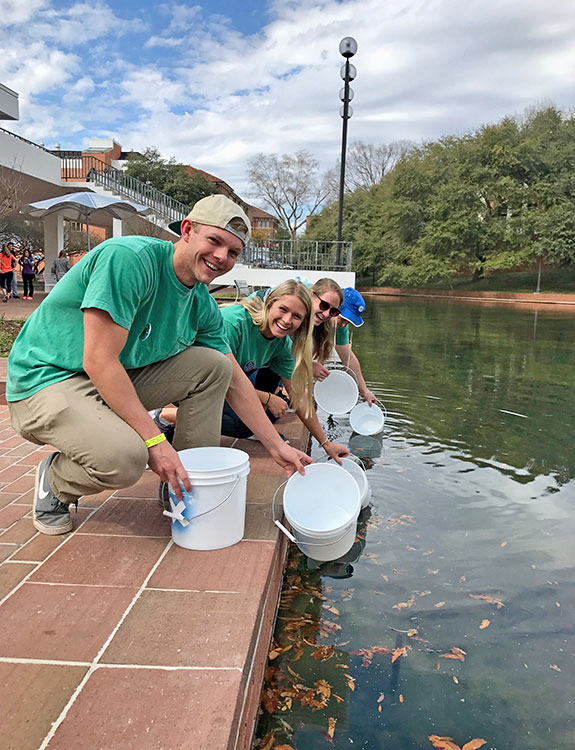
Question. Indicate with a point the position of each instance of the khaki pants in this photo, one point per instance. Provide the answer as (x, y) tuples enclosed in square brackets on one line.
[(98, 450)]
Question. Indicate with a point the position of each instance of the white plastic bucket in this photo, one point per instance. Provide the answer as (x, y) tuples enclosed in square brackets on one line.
[(337, 394), (322, 508), (354, 466), (367, 420), (359, 474), (213, 514)]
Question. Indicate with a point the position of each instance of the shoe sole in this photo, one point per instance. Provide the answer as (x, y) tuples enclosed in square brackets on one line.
[(42, 527)]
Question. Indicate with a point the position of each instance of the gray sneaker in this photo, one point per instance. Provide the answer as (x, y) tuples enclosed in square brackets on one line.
[(51, 516)]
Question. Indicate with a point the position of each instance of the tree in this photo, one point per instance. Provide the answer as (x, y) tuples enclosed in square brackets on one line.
[(496, 199), (12, 192), (290, 185), (168, 176), (366, 165)]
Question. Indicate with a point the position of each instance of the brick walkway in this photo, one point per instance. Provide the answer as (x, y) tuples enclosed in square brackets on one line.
[(113, 637)]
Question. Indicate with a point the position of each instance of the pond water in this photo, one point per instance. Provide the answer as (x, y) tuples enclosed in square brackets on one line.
[(464, 565)]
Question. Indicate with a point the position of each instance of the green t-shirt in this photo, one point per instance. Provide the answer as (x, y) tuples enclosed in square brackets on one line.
[(250, 348), (132, 279), (342, 335)]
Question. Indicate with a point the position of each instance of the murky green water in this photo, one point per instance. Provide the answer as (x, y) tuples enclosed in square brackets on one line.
[(473, 496)]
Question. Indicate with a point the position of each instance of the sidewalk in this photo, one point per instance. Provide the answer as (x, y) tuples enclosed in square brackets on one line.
[(115, 638)]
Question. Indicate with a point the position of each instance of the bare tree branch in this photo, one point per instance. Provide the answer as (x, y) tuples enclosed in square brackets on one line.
[(12, 189), (289, 184), (366, 165)]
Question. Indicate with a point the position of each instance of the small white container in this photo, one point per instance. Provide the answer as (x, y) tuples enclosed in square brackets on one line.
[(367, 420), (337, 394)]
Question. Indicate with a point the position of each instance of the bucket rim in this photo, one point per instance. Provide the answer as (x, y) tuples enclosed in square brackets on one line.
[(352, 511), (245, 458)]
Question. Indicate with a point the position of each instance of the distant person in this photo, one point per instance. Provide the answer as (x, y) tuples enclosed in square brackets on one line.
[(14, 284), (7, 263), (60, 266), (28, 266)]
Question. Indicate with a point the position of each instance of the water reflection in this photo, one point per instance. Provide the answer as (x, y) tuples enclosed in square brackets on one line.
[(468, 544)]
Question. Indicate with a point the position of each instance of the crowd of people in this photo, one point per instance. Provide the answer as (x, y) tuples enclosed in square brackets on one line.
[(136, 331), (19, 261)]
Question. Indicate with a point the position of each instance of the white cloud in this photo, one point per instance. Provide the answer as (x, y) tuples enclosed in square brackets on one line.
[(15, 11), (200, 90)]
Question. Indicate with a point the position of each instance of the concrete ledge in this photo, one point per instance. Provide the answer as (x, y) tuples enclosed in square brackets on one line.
[(504, 297)]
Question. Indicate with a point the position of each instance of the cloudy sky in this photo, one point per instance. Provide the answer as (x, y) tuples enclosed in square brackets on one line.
[(215, 82)]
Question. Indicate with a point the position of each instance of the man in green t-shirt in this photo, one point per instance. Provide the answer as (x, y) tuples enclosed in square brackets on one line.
[(129, 328)]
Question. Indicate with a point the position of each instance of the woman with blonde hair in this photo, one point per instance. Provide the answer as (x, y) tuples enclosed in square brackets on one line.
[(272, 341)]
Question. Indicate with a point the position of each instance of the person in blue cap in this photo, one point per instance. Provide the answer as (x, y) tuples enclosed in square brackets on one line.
[(350, 310)]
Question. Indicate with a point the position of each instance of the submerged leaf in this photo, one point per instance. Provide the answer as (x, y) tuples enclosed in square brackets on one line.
[(331, 727), (439, 605), (323, 653), (456, 653), (443, 743), (484, 624), (490, 599), (474, 744), (398, 653)]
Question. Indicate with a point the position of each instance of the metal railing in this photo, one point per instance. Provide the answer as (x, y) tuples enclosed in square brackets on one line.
[(313, 255), (20, 138), (82, 167)]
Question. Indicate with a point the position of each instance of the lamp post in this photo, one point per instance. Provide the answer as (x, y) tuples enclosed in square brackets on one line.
[(347, 48)]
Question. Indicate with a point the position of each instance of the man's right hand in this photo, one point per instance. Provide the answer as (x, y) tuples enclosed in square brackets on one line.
[(290, 458), (165, 462)]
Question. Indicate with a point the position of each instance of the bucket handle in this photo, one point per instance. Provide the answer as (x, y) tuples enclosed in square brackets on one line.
[(177, 516), (325, 459), (340, 366), (291, 537)]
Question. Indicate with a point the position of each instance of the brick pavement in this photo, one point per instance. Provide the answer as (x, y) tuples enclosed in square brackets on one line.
[(115, 638)]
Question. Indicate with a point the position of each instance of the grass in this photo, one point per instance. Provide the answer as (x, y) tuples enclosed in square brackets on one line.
[(553, 281), (9, 329)]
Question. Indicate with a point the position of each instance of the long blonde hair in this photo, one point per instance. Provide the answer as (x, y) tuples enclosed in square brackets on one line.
[(324, 333), (301, 380)]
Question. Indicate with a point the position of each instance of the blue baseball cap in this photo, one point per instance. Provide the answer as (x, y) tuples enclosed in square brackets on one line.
[(352, 306)]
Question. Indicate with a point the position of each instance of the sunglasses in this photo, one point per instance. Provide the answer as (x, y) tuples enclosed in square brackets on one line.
[(324, 306)]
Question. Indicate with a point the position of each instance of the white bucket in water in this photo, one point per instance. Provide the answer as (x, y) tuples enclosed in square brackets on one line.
[(354, 466), (359, 474), (213, 514), (322, 508), (367, 420), (337, 394)]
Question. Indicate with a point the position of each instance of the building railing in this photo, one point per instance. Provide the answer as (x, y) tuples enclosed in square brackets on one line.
[(20, 138), (312, 255), (77, 166)]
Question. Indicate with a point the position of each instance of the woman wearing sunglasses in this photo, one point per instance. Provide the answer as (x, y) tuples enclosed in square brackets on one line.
[(336, 308)]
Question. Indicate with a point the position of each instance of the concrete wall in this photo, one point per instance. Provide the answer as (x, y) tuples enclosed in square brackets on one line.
[(31, 160), (8, 103)]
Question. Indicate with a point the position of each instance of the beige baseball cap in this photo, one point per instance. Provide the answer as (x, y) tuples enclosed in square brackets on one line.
[(216, 211)]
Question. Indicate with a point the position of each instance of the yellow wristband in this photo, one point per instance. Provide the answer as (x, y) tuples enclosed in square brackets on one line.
[(155, 440)]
